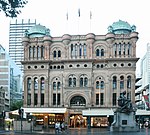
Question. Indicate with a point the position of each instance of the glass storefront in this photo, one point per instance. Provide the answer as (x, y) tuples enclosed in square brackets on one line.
[(48, 119), (99, 121), (78, 121)]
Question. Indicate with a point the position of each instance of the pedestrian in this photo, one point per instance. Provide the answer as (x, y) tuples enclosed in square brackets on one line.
[(62, 126), (146, 124), (57, 127), (66, 126)]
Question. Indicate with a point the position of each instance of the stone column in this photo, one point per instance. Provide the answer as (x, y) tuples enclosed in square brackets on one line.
[(46, 94), (62, 91), (118, 87), (110, 93), (39, 93), (32, 93), (25, 92)]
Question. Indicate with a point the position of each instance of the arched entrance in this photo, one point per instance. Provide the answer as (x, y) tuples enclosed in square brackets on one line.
[(78, 101), (76, 119)]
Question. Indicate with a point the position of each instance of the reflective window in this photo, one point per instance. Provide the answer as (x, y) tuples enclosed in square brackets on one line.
[(35, 83), (102, 52), (54, 54), (114, 82), (42, 83), (78, 101), (29, 84), (59, 53), (54, 85), (129, 82), (121, 82), (42, 51), (97, 52)]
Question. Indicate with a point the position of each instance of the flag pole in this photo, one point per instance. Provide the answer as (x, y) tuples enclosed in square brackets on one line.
[(67, 31), (90, 20), (78, 20)]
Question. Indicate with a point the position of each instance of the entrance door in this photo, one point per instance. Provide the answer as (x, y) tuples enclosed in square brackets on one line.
[(78, 121)]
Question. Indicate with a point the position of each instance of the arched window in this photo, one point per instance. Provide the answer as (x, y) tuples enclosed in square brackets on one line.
[(54, 85), (42, 51), (29, 84), (80, 50), (84, 50), (85, 82), (33, 51), (121, 82), (70, 82), (119, 49), (124, 49), (102, 84), (115, 50), (54, 54), (102, 52), (42, 83), (30, 52), (97, 85), (78, 101), (59, 54), (74, 82), (97, 52), (76, 50), (129, 49), (38, 52), (81, 82), (129, 82), (114, 82), (35, 83), (58, 85)]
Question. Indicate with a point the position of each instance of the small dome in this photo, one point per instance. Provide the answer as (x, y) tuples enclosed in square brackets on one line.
[(37, 31), (121, 27)]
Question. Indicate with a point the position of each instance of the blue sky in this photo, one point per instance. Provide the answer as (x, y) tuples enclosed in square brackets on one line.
[(52, 14)]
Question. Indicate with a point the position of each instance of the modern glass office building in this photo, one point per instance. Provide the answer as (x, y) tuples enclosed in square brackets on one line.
[(16, 32)]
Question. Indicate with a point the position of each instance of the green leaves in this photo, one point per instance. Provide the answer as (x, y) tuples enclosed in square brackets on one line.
[(11, 8)]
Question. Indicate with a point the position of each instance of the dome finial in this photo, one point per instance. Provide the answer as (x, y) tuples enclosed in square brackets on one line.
[(121, 27)]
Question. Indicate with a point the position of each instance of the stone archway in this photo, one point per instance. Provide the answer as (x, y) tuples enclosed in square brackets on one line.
[(78, 101), (78, 121)]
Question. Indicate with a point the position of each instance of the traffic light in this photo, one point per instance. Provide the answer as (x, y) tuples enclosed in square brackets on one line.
[(20, 111)]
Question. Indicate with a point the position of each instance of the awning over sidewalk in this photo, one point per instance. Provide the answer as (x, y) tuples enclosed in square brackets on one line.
[(98, 112), (45, 110), (143, 112)]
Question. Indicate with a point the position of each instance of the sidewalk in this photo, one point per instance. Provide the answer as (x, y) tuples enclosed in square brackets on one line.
[(79, 131)]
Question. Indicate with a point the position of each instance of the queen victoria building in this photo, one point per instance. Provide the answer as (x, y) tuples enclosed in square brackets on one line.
[(78, 78)]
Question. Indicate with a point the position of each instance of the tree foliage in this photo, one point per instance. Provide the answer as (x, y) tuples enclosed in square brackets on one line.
[(16, 105), (11, 8)]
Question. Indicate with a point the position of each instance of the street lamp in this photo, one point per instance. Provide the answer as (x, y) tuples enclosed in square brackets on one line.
[(3, 115), (31, 121), (21, 111)]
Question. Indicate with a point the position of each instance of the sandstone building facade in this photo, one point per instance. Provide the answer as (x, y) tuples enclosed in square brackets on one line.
[(63, 76)]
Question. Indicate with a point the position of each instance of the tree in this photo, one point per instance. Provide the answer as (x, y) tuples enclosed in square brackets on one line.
[(16, 105), (11, 8)]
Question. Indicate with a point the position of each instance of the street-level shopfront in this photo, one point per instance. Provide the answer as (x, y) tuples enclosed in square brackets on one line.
[(76, 119), (98, 117), (92, 117), (46, 117)]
